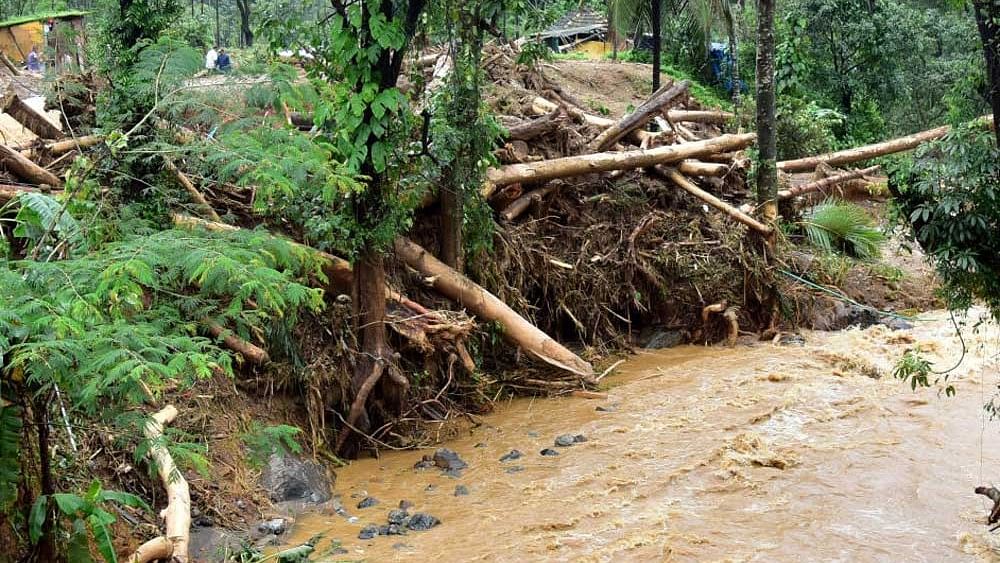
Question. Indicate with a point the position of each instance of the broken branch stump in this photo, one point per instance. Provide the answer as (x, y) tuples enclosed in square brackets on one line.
[(688, 186)]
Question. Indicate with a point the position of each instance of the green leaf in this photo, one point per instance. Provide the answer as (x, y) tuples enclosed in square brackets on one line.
[(36, 519), (102, 535), (69, 504)]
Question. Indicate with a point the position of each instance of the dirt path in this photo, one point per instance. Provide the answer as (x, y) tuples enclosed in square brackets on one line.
[(751, 454)]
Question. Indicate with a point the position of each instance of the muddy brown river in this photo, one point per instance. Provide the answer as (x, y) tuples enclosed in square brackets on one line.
[(753, 453)]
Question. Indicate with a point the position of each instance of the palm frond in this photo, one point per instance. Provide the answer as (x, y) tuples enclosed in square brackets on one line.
[(834, 225)]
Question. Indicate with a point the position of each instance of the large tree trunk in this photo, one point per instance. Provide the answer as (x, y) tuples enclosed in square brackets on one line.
[(246, 33), (452, 212), (767, 173), (869, 152), (26, 115), (486, 306), (26, 170), (604, 162), (657, 23), (638, 118), (988, 21)]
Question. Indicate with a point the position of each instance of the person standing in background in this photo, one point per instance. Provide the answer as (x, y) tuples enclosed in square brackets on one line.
[(210, 59), (34, 62), (223, 63)]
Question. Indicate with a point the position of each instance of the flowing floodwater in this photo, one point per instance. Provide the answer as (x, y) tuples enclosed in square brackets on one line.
[(754, 453)]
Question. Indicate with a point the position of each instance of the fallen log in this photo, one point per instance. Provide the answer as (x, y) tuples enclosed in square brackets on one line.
[(10, 66), (254, 353), (698, 168), (62, 147), (869, 152), (12, 105), (688, 186), (487, 306), (541, 106), (640, 117), (523, 203), (198, 198), (604, 162), (25, 169), (536, 127), (820, 185), (9, 192), (173, 544)]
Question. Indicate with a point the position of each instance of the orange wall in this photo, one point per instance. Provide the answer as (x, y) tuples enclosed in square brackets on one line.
[(26, 35)]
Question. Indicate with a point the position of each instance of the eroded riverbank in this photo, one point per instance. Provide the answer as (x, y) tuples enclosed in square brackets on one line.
[(753, 453)]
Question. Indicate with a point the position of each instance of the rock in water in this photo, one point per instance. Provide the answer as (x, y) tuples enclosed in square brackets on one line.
[(276, 526), (461, 490), (405, 504), (448, 460), (664, 339), (367, 502), (288, 478), (579, 438), (514, 469), (565, 440), (368, 532), (609, 408), (511, 455), (421, 521), (549, 451), (398, 516)]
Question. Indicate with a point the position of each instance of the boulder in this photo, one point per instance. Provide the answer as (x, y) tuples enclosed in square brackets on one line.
[(290, 478)]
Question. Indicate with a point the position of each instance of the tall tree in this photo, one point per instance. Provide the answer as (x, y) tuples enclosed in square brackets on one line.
[(656, 20), (767, 170), (246, 33), (987, 14)]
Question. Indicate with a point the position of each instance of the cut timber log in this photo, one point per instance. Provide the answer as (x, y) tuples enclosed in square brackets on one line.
[(62, 147), (541, 106), (869, 152), (26, 115), (523, 203), (255, 354), (198, 198), (9, 192), (638, 118), (10, 66), (487, 306), (698, 168), (25, 169), (604, 162), (820, 185), (688, 186), (172, 545), (536, 127)]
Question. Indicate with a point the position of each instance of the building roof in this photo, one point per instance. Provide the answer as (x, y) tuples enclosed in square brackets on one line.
[(576, 22), (42, 16)]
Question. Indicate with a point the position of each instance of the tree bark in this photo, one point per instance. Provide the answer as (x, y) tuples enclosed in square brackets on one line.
[(541, 106), (638, 118), (26, 115), (987, 14), (698, 168), (485, 305), (767, 173), (251, 352), (173, 544), (825, 183), (26, 170), (536, 127), (198, 198), (657, 25), (46, 548), (603, 162), (523, 203), (246, 33), (688, 186), (62, 147), (868, 152)]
